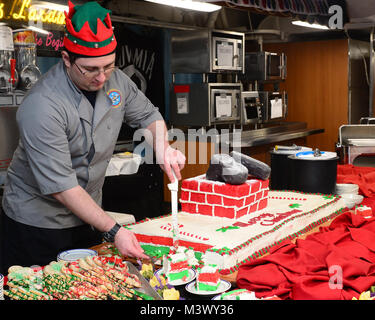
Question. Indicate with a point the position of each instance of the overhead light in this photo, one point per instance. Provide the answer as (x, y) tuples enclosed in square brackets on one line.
[(309, 25), (50, 6), (189, 4), (36, 29)]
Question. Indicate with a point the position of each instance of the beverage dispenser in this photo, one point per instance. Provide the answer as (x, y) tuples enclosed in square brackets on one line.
[(25, 52), (8, 71)]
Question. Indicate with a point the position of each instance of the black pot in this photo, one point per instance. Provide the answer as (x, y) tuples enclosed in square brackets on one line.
[(313, 174), (280, 178)]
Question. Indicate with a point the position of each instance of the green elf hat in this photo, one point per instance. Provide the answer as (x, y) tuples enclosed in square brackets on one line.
[(89, 30)]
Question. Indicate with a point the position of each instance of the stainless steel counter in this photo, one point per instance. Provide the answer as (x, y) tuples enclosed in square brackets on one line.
[(247, 138), (289, 131)]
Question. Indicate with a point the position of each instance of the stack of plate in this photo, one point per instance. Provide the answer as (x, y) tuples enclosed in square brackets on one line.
[(349, 193), (75, 254), (344, 188), (1, 287)]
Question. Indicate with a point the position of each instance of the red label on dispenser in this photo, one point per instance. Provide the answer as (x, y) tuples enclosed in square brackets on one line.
[(181, 88)]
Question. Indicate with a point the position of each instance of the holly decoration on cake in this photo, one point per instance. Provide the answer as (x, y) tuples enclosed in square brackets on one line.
[(295, 205), (225, 229), (222, 250)]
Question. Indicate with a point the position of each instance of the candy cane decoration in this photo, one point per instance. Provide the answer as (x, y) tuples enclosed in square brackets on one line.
[(188, 234)]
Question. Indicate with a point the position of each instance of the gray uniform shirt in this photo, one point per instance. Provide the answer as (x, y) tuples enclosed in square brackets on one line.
[(58, 127)]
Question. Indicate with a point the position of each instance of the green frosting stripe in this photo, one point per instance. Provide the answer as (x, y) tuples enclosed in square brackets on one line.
[(178, 275), (155, 250), (206, 287)]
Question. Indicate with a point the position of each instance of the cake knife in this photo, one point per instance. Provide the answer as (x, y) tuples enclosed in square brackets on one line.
[(173, 187)]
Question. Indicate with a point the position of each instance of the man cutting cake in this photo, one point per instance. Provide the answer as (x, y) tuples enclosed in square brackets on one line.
[(69, 122)]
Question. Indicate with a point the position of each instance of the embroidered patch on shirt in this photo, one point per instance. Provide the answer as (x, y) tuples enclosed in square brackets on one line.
[(115, 96)]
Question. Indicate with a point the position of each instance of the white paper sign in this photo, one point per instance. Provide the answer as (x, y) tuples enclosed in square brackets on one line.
[(276, 108), (6, 38), (223, 106), (224, 54), (182, 105)]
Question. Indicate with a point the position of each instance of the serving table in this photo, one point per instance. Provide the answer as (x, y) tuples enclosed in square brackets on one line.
[(107, 248)]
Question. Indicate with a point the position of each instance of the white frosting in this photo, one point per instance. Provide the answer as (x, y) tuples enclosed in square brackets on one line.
[(363, 208), (192, 260), (286, 214), (174, 258), (208, 269), (166, 267), (178, 257)]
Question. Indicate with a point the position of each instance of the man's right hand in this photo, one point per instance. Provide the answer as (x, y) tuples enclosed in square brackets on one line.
[(128, 245), (82, 205)]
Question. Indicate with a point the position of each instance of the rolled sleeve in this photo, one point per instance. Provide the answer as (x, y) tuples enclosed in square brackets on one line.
[(43, 136)]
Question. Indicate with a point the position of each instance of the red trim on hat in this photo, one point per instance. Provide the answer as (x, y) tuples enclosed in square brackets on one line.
[(92, 52), (69, 15)]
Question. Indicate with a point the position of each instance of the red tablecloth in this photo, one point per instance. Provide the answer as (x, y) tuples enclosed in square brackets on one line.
[(310, 268), (363, 176), (315, 268)]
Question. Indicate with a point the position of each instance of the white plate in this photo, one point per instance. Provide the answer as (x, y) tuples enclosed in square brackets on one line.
[(75, 254), (223, 286), (342, 188), (179, 282)]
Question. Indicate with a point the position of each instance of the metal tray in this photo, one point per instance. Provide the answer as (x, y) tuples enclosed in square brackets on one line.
[(146, 287), (362, 142)]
